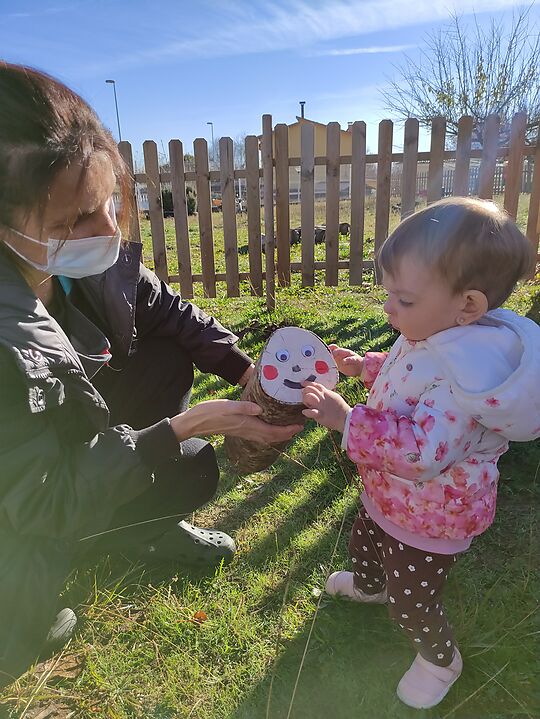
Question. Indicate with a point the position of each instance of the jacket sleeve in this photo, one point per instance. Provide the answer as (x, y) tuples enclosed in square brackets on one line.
[(161, 311), (373, 361), (418, 448), (56, 484)]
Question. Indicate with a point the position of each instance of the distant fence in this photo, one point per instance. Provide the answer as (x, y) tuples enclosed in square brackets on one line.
[(265, 178)]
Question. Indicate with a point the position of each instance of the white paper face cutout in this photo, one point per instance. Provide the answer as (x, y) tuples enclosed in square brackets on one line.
[(291, 356)]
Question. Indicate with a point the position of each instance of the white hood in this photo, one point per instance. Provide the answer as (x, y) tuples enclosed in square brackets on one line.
[(495, 367)]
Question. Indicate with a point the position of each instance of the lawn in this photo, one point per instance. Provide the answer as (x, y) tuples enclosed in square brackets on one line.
[(269, 643)]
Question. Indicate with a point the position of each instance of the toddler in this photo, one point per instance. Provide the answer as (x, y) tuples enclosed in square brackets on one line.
[(460, 381)]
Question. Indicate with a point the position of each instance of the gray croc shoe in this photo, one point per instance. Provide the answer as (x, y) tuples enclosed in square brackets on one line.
[(188, 544), (62, 629)]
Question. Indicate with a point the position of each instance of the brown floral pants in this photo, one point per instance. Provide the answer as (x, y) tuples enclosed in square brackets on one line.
[(414, 580)]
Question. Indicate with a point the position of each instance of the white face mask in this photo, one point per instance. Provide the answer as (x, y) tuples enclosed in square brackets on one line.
[(76, 258)]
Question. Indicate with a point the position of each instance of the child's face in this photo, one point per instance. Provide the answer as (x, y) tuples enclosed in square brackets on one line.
[(420, 303)]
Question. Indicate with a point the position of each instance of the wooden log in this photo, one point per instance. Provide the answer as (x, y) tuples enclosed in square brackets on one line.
[(290, 357)]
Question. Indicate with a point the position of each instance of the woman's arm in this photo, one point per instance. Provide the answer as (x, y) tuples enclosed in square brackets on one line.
[(160, 311)]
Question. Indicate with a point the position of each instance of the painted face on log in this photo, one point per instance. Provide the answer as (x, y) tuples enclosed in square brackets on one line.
[(291, 356)]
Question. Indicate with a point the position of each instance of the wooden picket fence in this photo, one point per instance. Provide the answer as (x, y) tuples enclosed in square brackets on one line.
[(269, 164)]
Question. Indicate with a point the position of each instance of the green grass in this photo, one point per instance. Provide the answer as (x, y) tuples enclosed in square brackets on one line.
[(142, 655)]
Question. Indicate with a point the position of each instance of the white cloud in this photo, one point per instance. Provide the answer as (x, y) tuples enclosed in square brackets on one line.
[(247, 27), (370, 50)]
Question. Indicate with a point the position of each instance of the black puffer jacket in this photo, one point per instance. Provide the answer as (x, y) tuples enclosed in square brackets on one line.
[(63, 470)]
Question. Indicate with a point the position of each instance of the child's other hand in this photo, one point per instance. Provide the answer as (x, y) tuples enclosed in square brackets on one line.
[(348, 362), (324, 406)]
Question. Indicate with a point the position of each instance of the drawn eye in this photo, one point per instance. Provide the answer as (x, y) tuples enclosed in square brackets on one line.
[(282, 355), (308, 351)]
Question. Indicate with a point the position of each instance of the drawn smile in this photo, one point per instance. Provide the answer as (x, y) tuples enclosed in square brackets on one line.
[(298, 385)]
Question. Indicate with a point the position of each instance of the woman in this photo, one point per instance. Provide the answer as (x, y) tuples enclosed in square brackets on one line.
[(95, 355)]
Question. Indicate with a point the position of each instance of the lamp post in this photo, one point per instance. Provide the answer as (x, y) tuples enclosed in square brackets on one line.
[(213, 146), (113, 83)]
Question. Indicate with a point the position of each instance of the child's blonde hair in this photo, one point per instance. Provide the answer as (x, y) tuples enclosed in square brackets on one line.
[(470, 242)]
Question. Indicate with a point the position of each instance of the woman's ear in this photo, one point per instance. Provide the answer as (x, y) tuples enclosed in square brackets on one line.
[(475, 305)]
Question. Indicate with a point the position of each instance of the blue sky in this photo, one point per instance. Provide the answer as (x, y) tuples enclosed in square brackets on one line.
[(178, 65)]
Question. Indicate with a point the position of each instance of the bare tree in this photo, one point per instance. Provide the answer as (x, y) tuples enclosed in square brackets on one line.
[(473, 71), (239, 150)]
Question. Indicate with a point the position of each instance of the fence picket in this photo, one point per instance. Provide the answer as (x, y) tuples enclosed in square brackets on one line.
[(436, 161), (307, 209), (155, 211), (204, 211), (134, 226), (283, 224), (333, 139), (514, 169), (268, 180), (533, 220), (463, 156), (178, 189), (254, 214), (489, 157), (228, 207), (384, 169), (410, 167), (358, 193)]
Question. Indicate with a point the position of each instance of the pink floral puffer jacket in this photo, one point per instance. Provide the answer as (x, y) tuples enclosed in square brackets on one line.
[(439, 415)]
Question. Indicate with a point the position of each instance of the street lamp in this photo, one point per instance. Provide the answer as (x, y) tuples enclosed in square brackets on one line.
[(113, 83), (213, 146)]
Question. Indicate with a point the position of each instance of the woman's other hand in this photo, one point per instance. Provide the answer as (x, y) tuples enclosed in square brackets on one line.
[(227, 417)]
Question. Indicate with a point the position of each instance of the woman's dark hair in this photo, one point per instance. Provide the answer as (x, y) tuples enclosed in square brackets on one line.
[(44, 128)]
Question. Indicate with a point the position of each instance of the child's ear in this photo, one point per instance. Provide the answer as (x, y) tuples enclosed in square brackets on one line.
[(475, 305)]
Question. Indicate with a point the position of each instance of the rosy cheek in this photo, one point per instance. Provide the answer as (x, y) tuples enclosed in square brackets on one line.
[(321, 367), (269, 371)]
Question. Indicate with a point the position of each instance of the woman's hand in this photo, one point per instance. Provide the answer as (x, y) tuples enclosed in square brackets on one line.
[(348, 362), (326, 407), (225, 416)]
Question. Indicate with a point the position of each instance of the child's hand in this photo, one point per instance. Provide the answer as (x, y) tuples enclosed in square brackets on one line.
[(324, 406), (348, 362)]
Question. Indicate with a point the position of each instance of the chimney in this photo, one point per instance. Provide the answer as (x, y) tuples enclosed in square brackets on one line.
[(302, 103)]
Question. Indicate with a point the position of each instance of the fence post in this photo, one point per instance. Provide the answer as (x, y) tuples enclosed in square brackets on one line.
[(382, 200), (134, 226), (410, 167), (155, 210), (281, 135), (514, 170), (489, 157), (463, 156), (204, 211), (254, 214), (436, 159), (178, 183), (333, 146), (358, 193), (268, 180), (228, 207), (533, 220), (307, 207)]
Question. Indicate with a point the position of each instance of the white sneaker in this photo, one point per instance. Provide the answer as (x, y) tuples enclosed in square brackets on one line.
[(342, 584), (424, 684)]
